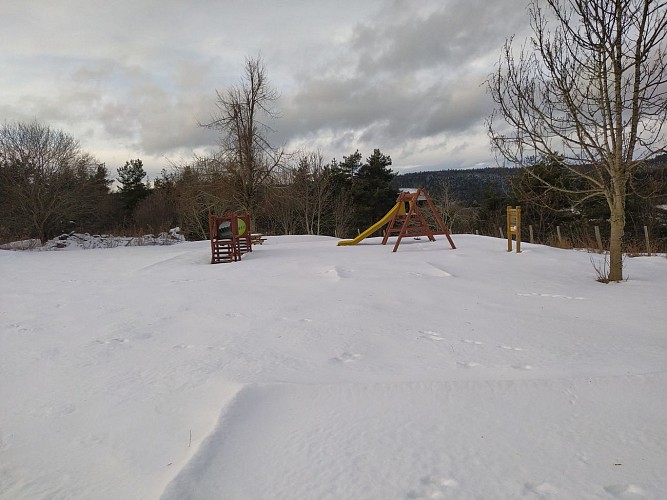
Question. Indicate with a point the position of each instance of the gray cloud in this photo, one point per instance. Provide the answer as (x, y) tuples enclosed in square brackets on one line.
[(134, 78)]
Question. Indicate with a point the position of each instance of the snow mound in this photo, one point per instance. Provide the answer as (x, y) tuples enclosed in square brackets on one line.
[(86, 241)]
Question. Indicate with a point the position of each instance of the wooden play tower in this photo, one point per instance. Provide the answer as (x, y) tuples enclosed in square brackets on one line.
[(416, 216), (230, 236)]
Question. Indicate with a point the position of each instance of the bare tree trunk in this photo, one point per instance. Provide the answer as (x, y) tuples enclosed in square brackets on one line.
[(617, 222), (616, 249)]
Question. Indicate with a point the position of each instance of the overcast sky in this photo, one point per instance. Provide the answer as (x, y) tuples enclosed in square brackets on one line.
[(133, 78)]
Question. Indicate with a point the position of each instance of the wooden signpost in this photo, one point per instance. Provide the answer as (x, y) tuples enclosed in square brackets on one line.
[(514, 228)]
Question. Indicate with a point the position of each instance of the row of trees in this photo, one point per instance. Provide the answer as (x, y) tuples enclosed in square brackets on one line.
[(306, 195), (56, 188), (49, 186)]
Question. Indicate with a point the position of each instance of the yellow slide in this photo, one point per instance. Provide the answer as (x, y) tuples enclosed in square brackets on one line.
[(375, 227)]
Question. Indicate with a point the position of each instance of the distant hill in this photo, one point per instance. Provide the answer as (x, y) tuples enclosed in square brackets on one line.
[(469, 186), (472, 185)]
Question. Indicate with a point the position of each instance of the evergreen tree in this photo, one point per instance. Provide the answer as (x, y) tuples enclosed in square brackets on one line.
[(350, 166), (133, 189), (372, 191)]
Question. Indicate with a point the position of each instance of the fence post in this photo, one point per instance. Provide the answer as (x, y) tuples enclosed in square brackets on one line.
[(560, 238), (648, 243), (530, 230), (598, 238)]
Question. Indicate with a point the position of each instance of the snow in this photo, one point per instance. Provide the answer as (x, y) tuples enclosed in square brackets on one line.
[(313, 371), (86, 241)]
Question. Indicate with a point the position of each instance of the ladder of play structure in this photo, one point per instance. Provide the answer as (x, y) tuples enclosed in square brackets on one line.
[(412, 221)]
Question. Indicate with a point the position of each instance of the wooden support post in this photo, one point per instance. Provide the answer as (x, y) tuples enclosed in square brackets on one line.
[(560, 238), (514, 228), (648, 243), (530, 229)]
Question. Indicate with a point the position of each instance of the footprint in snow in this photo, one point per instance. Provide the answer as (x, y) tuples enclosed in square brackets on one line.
[(434, 487), (510, 348), (112, 341), (337, 273), (625, 491), (542, 490), (347, 357), (428, 334), (468, 364)]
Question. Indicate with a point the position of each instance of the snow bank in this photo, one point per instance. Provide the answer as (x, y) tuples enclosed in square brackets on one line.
[(85, 241)]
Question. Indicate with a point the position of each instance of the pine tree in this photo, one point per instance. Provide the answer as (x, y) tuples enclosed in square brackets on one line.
[(132, 189), (372, 192)]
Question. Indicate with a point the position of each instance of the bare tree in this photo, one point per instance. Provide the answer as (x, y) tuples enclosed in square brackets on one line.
[(589, 93), (45, 178), (455, 214), (283, 204), (200, 188), (313, 189), (243, 112), (343, 214)]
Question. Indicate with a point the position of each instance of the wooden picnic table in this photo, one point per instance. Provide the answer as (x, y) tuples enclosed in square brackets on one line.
[(257, 238)]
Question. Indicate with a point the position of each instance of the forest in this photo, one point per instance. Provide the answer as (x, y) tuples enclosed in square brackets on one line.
[(50, 187)]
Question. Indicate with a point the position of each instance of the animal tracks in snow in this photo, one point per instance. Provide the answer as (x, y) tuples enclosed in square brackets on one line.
[(116, 340), (510, 348), (551, 296), (437, 337), (19, 328), (204, 347)]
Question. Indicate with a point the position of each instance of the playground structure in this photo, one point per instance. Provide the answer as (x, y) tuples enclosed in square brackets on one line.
[(230, 236), (413, 215)]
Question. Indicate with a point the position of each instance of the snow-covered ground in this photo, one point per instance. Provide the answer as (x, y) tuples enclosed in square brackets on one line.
[(311, 371)]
